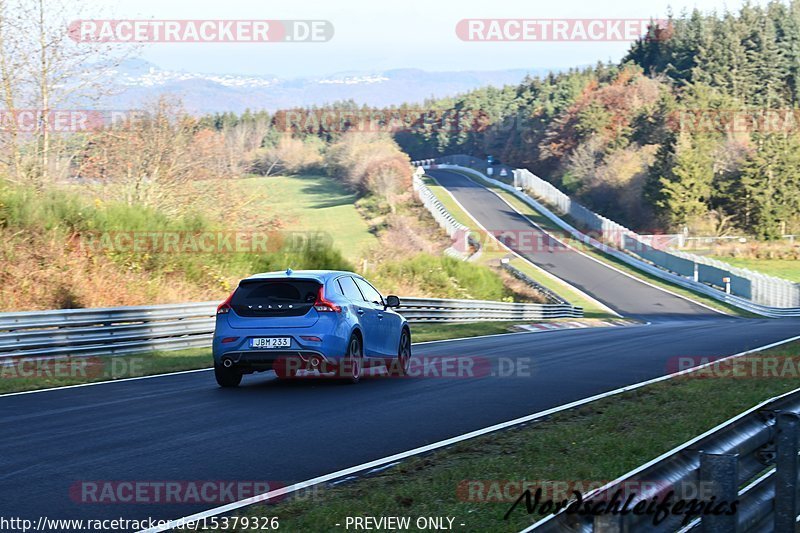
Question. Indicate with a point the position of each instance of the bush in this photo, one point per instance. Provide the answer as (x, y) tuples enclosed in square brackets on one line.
[(370, 163), (441, 277), (47, 260), (288, 155)]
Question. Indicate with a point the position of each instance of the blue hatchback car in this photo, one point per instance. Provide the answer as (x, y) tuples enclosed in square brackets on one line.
[(330, 321)]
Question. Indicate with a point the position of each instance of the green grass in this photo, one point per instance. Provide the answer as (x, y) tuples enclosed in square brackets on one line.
[(437, 332), (68, 210), (782, 268), (312, 203), (590, 307), (449, 203), (443, 277), (546, 224), (66, 214), (596, 442), (21, 376)]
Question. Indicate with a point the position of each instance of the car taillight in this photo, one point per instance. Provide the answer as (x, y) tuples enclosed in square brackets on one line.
[(322, 305), (225, 306)]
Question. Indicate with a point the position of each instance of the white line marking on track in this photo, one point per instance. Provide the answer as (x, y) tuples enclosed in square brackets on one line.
[(434, 446)]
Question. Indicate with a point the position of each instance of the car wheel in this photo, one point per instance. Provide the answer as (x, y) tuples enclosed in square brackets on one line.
[(352, 365), (227, 377), (400, 366)]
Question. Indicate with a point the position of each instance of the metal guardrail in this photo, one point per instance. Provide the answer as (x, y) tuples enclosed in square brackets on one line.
[(759, 288), (123, 330), (107, 331), (756, 450), (458, 232), (551, 295), (440, 310), (736, 301)]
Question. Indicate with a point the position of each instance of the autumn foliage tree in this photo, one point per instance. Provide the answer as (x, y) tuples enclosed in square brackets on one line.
[(370, 163), (150, 158)]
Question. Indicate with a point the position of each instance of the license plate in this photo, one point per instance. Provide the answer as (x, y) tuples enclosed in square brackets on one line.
[(271, 342)]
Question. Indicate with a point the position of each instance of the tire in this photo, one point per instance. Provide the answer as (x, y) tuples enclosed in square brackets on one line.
[(227, 377), (399, 366), (352, 366)]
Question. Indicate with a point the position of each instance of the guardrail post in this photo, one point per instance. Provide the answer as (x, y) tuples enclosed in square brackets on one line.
[(786, 470), (720, 472)]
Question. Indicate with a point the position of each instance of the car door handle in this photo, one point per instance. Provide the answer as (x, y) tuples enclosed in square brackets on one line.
[(380, 315), (360, 311)]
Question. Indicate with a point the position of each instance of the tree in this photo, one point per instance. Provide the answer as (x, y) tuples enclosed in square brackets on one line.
[(153, 158), (771, 186), (686, 187), (42, 70)]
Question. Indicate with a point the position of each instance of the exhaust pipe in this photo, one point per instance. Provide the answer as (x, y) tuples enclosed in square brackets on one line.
[(227, 363), (314, 361)]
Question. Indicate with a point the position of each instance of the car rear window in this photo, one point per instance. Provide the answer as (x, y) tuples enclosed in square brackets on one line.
[(275, 297)]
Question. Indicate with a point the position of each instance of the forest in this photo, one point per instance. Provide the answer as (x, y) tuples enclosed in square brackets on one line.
[(695, 129)]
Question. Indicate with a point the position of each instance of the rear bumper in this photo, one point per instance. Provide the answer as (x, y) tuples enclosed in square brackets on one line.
[(257, 360)]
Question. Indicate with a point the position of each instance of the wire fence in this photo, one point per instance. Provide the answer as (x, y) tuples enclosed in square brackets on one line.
[(757, 287)]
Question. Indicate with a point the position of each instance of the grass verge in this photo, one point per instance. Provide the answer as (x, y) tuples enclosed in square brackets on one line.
[(309, 203), (596, 442), (23, 375), (782, 268), (438, 332)]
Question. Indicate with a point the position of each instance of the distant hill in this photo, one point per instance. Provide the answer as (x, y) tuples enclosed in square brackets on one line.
[(140, 81)]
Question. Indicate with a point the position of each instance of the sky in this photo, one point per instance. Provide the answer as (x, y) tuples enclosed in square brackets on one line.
[(378, 35)]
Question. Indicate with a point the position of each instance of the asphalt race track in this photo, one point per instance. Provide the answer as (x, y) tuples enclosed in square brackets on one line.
[(183, 428), (624, 294)]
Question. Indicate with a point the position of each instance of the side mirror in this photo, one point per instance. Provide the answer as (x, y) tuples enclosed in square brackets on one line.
[(392, 301)]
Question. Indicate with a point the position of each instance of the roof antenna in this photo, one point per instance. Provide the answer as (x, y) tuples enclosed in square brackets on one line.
[(288, 271)]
